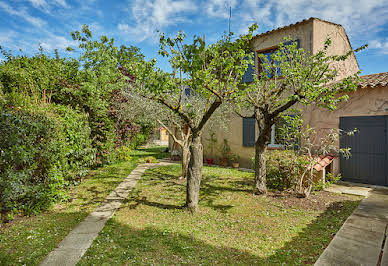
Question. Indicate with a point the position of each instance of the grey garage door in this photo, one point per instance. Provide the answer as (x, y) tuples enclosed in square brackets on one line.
[(369, 149)]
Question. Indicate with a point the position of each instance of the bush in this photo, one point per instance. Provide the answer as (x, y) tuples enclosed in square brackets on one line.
[(283, 167), (79, 152), (148, 159), (32, 159), (330, 179), (123, 154)]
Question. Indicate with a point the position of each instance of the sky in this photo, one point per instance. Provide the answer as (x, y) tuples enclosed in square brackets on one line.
[(26, 25)]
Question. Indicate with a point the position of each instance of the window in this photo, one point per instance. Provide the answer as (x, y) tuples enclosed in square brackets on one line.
[(275, 69), (248, 75), (249, 133)]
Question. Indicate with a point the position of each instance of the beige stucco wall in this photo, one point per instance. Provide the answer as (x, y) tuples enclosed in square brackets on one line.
[(303, 32), (234, 135), (363, 102), (340, 46)]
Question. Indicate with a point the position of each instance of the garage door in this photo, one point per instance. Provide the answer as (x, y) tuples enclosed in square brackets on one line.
[(369, 148)]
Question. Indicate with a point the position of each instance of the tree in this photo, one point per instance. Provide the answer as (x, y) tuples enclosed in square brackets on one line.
[(144, 111), (314, 144), (289, 77), (212, 72), (99, 89)]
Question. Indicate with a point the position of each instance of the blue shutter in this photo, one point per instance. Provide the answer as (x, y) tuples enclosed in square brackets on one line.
[(249, 135), (296, 143), (187, 91), (248, 75)]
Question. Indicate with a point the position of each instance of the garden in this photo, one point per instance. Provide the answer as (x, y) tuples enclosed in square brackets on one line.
[(73, 129)]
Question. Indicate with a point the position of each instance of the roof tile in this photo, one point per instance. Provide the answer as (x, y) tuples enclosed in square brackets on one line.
[(374, 80)]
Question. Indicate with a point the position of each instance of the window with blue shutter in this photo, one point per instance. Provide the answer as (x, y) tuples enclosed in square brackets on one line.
[(275, 70), (249, 135), (248, 75), (295, 143)]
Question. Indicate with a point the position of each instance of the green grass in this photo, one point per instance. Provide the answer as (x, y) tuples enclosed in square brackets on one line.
[(27, 240), (233, 225)]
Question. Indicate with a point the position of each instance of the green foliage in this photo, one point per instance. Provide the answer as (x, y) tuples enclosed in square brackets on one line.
[(148, 159), (284, 168), (33, 155), (123, 153), (225, 149), (330, 179), (80, 154)]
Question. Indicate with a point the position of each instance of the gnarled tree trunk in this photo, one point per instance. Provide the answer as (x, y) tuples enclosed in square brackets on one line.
[(194, 173), (185, 160), (260, 160), (260, 169)]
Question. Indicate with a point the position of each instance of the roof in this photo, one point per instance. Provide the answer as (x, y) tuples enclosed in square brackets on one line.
[(374, 80), (294, 24), (323, 161)]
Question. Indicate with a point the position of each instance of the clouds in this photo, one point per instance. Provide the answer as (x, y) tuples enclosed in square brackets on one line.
[(26, 23), (380, 45), (46, 5), (22, 13), (219, 8), (357, 16), (150, 16)]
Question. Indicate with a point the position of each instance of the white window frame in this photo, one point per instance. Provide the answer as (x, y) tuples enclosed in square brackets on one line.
[(272, 144)]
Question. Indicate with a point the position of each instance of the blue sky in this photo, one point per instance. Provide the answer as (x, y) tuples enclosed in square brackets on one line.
[(26, 24)]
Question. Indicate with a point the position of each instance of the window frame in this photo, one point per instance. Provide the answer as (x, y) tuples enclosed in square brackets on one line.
[(271, 50)]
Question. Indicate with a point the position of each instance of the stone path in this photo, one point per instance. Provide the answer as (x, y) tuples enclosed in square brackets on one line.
[(362, 239), (74, 246)]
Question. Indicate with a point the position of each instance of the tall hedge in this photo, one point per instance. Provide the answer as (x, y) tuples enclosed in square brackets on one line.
[(31, 161), (43, 147)]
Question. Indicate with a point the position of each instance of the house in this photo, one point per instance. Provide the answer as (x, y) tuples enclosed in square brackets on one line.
[(366, 109)]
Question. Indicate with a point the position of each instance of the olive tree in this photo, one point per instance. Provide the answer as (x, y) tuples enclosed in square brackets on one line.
[(143, 110), (212, 72), (290, 76)]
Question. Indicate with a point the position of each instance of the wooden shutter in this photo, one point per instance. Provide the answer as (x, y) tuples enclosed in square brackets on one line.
[(249, 135), (296, 142), (248, 75)]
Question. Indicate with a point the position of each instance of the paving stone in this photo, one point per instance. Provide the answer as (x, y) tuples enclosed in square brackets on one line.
[(359, 240)]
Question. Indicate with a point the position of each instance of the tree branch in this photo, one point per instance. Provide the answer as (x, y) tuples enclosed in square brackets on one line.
[(207, 116)]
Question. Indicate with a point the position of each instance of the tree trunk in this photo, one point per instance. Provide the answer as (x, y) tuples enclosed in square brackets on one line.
[(194, 173), (185, 160), (260, 169), (265, 128)]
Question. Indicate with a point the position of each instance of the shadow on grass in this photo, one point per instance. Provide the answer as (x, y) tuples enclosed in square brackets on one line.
[(210, 191), (28, 241), (157, 151), (124, 244)]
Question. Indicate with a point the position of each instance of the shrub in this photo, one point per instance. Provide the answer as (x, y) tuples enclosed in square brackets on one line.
[(148, 159), (79, 152), (284, 168), (32, 159), (123, 154), (330, 179)]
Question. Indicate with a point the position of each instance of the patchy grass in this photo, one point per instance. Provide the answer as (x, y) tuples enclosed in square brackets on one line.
[(233, 226), (27, 240)]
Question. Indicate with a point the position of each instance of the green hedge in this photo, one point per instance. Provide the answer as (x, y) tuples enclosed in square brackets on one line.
[(79, 152), (43, 147), (31, 161)]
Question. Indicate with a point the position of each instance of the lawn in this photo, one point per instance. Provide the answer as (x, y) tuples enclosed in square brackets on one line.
[(27, 240), (233, 226)]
